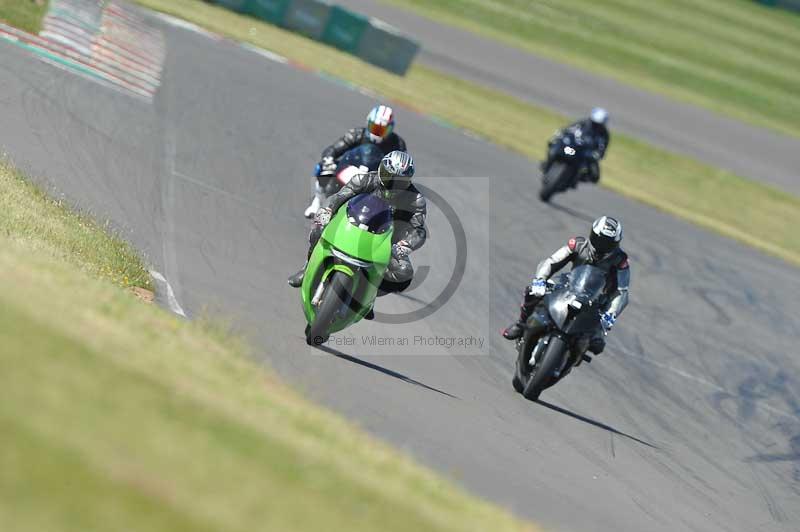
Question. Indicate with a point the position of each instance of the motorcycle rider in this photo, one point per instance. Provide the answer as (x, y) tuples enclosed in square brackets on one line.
[(601, 250), (594, 127), (379, 131), (391, 182)]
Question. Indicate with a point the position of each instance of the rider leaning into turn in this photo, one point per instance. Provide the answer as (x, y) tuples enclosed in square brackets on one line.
[(379, 131), (601, 250), (392, 182), (595, 127)]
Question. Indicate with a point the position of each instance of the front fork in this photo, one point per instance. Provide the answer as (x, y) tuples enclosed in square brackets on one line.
[(538, 325)]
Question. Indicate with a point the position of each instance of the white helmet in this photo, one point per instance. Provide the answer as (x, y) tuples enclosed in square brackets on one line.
[(599, 116), (606, 235)]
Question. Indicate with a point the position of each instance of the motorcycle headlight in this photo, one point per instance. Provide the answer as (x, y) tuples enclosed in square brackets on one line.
[(569, 150), (350, 260)]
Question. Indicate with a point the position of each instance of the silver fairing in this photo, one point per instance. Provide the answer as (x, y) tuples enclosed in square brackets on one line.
[(558, 306), (574, 303)]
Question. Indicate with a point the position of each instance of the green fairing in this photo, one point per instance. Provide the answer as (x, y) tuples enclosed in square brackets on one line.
[(346, 237)]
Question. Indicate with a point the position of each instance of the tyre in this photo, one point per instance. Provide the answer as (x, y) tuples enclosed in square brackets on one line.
[(525, 347), (542, 374), (516, 382), (554, 180), (334, 299)]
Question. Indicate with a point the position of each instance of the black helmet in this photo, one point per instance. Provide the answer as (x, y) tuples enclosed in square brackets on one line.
[(606, 235), (396, 170)]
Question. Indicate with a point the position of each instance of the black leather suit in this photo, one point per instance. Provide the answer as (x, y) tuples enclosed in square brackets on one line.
[(578, 252), (596, 134), (357, 136)]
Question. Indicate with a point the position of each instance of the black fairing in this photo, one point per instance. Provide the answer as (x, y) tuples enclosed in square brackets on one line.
[(370, 213), (578, 143), (585, 285), (581, 322)]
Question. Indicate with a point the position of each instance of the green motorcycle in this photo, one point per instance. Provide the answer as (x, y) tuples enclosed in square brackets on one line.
[(346, 267)]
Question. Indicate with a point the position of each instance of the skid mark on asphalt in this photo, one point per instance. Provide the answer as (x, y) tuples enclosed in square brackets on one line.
[(699, 380)]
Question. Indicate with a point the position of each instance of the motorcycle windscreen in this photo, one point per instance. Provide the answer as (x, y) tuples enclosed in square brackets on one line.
[(573, 305), (370, 213), (587, 282), (368, 155)]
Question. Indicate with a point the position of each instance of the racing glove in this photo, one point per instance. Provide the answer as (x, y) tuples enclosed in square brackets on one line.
[(400, 250), (607, 320), (323, 217), (538, 287), (327, 166)]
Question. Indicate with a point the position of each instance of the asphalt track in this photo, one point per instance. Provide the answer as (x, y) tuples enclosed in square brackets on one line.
[(746, 150), (689, 421)]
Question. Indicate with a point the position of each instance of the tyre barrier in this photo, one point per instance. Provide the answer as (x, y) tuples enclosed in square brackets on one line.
[(790, 5), (369, 39)]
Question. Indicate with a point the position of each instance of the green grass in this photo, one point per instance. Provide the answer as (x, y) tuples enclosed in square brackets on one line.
[(755, 214), (732, 56), (116, 415), (23, 14), (30, 217)]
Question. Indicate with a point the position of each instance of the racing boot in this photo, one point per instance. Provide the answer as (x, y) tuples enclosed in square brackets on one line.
[(296, 280), (316, 203), (515, 330)]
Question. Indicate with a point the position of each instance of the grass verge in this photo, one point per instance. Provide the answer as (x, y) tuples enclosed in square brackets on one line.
[(732, 56), (118, 416), (755, 214), (32, 219), (23, 14)]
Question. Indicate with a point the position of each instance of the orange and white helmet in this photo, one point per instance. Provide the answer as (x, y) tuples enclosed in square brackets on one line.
[(380, 123)]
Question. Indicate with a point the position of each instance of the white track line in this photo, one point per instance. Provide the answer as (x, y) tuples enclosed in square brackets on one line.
[(183, 24), (172, 301), (272, 56)]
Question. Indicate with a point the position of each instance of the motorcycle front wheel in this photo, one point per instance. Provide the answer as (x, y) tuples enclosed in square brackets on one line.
[(543, 373), (522, 368), (554, 180), (335, 298)]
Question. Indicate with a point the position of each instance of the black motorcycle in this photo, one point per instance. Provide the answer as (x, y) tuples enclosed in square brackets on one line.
[(558, 331), (569, 158)]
